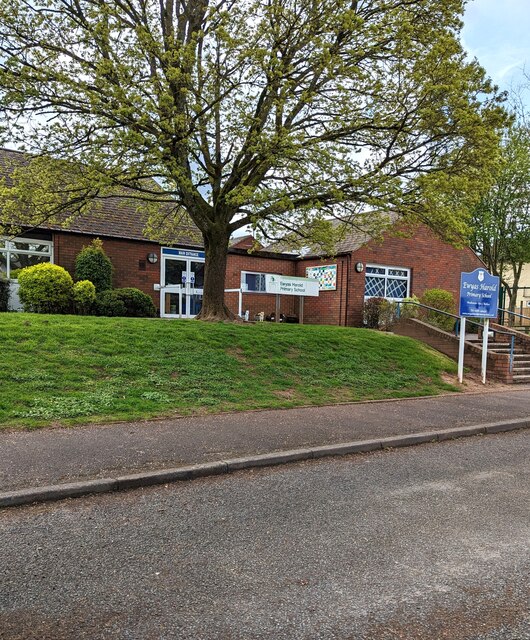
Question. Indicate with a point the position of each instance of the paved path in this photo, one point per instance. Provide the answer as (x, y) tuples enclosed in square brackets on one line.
[(52, 456), (426, 543)]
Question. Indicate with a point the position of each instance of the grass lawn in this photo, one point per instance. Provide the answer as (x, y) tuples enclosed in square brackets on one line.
[(72, 369)]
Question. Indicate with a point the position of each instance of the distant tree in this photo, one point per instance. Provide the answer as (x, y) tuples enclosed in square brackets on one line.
[(273, 113), (501, 221)]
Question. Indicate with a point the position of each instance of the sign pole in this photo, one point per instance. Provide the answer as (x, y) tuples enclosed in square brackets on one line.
[(485, 349), (277, 312), (301, 319), (461, 346)]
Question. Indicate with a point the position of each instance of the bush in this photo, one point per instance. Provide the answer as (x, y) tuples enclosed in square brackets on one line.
[(92, 263), (125, 302), (387, 315), (84, 296), (46, 288), (444, 301), (14, 274), (379, 313), (4, 294), (410, 310)]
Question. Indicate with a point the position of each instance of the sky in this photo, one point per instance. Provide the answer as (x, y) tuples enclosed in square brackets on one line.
[(497, 33)]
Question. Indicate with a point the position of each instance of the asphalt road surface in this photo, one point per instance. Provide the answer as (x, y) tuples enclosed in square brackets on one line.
[(429, 542)]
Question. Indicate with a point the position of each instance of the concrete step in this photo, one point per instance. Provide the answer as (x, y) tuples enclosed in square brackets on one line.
[(521, 378), (521, 370)]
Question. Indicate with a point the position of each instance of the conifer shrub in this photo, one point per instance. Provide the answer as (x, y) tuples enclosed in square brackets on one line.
[(92, 263), (46, 288)]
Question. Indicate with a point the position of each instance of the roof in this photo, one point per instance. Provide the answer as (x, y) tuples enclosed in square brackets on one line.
[(116, 216), (350, 239)]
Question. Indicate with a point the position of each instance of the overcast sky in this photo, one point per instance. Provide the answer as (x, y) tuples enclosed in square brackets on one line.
[(497, 33)]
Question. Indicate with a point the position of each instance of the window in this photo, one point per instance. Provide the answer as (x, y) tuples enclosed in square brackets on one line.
[(391, 283), (251, 281), (23, 252)]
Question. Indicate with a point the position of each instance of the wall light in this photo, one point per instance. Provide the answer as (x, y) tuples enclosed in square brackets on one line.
[(359, 267), (152, 258)]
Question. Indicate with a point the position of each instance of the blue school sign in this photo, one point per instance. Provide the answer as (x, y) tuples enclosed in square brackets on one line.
[(479, 294)]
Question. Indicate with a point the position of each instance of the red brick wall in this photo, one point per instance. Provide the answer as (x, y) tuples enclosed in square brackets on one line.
[(330, 306), (433, 264), (125, 256), (257, 302)]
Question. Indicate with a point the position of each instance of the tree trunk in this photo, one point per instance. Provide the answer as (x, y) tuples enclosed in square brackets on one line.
[(214, 308)]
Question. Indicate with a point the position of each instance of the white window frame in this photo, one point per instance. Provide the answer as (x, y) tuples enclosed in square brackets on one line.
[(254, 273), (385, 277), (9, 248)]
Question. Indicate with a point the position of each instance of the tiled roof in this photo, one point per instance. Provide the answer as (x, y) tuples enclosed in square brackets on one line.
[(351, 239), (116, 216)]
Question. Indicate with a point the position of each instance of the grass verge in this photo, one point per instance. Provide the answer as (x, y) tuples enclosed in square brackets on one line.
[(71, 369)]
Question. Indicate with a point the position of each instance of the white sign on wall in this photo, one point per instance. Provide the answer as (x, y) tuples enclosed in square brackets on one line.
[(291, 286)]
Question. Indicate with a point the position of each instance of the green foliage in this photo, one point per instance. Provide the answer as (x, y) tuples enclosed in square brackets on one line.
[(14, 273), (93, 264), (248, 91), (379, 313), (409, 310), (46, 288), (4, 294), (443, 301), (501, 221), (125, 302), (84, 293)]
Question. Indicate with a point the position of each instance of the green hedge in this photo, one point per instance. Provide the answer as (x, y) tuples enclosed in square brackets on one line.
[(125, 302)]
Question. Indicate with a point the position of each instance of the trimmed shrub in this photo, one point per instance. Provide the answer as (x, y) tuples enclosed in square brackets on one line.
[(442, 300), (46, 288), (92, 263), (410, 310), (4, 294), (125, 302), (84, 296)]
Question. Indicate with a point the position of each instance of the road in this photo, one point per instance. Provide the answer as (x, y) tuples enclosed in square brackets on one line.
[(425, 543)]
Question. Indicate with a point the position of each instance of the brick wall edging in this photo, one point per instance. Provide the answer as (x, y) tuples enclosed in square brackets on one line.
[(498, 364)]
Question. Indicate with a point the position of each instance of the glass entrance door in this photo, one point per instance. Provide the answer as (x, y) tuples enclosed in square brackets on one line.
[(182, 283)]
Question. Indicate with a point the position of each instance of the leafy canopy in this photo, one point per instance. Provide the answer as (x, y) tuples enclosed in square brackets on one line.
[(501, 221), (263, 112)]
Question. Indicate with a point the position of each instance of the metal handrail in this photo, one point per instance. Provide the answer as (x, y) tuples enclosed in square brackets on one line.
[(513, 313), (457, 327)]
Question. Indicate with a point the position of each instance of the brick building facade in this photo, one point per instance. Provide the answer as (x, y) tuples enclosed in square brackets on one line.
[(429, 261), (397, 266)]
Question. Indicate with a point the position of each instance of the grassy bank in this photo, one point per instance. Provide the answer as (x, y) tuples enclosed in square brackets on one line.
[(70, 369)]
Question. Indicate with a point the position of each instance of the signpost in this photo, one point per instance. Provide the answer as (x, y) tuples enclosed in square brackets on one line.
[(479, 298), (291, 286)]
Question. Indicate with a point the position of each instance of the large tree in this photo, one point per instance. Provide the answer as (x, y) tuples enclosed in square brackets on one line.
[(274, 113), (501, 221)]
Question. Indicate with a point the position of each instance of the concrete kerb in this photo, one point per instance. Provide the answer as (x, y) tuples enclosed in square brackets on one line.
[(165, 476)]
